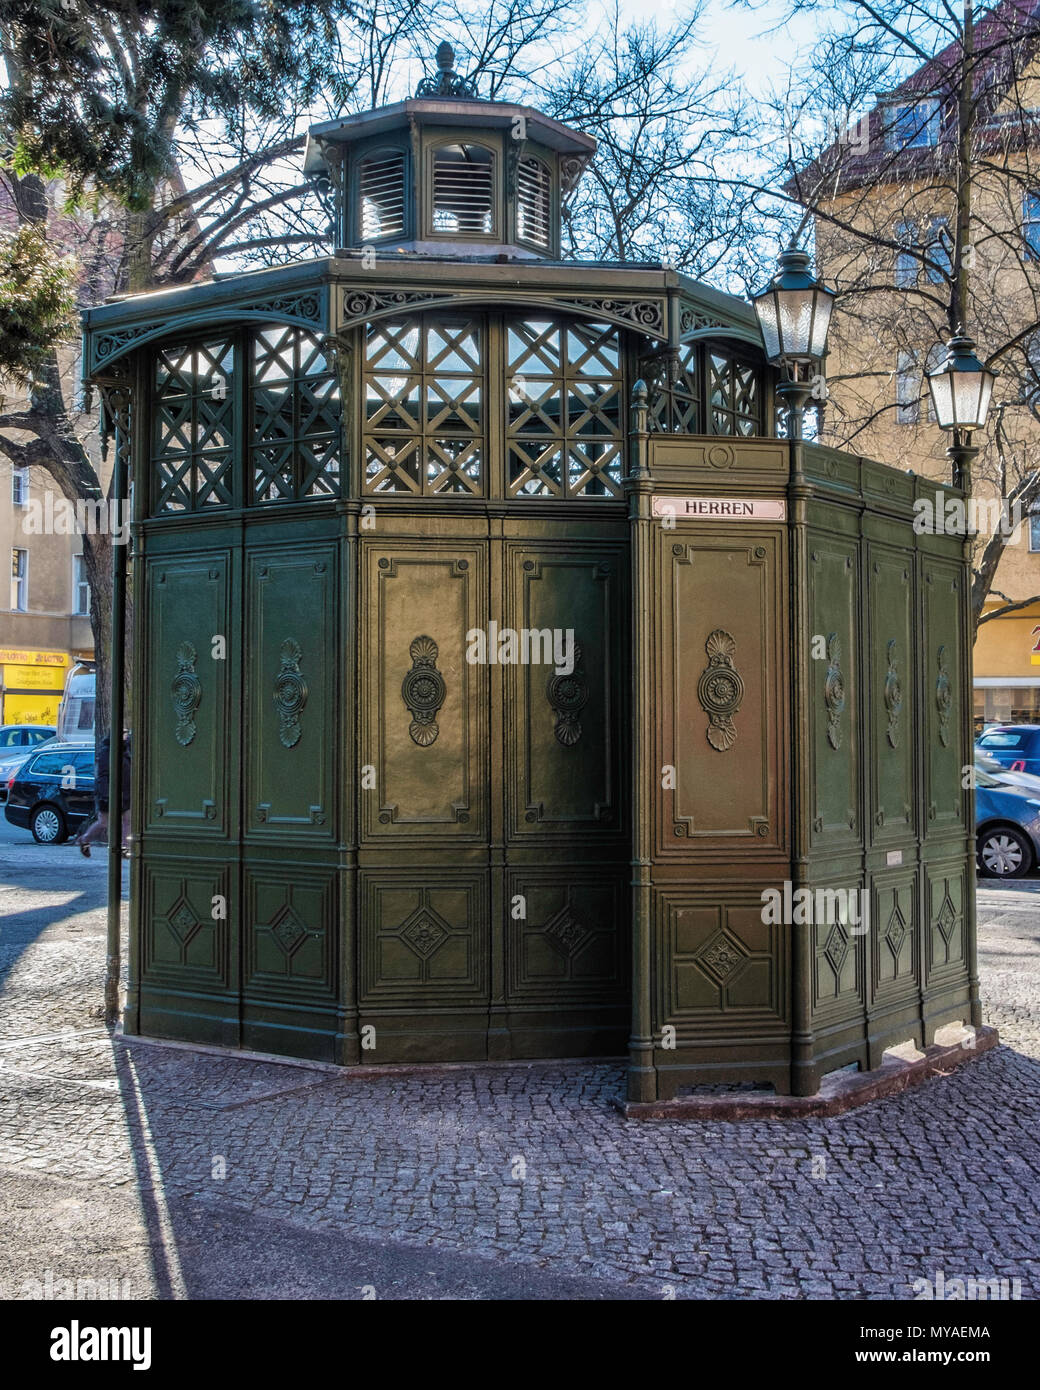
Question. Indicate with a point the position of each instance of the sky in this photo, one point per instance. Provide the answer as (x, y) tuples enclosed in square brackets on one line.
[(738, 35)]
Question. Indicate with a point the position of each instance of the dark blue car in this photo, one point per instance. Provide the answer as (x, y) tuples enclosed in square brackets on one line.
[(52, 793), (1007, 819), (1015, 746)]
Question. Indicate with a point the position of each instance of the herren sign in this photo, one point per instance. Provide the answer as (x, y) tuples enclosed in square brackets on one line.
[(721, 508)]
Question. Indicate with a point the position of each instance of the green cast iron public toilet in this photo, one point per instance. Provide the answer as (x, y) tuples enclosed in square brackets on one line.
[(353, 843)]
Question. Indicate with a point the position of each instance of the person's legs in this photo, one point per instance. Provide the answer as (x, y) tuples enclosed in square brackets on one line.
[(95, 831), (126, 830)]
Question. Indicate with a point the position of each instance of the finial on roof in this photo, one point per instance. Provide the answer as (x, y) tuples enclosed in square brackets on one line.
[(447, 83)]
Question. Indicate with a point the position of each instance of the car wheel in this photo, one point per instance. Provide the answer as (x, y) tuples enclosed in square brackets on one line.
[(1004, 853), (48, 825)]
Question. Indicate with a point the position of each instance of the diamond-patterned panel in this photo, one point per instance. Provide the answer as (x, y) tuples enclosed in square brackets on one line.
[(295, 404), (193, 424), (564, 421), (735, 395), (424, 406)]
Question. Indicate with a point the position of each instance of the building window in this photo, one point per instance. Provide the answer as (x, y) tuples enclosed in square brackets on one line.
[(19, 581), (913, 125), (533, 203), (564, 410), (295, 414), (464, 190), (194, 413), (939, 250), (906, 264), (936, 245), (1034, 532), (20, 487), (1031, 223), (424, 406), (734, 395), (908, 389), (80, 588), (381, 181)]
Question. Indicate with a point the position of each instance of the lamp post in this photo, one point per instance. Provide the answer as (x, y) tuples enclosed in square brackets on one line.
[(794, 313), (961, 388)]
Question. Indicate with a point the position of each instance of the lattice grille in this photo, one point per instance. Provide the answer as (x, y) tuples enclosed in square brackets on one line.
[(735, 395), (675, 393), (533, 202), (381, 195), (295, 411), (424, 401), (193, 415), (564, 409)]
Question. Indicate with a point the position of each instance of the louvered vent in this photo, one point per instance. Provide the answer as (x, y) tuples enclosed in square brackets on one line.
[(382, 195), (532, 203), (464, 190)]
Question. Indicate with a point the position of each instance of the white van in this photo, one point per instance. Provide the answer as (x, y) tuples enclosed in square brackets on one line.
[(76, 717)]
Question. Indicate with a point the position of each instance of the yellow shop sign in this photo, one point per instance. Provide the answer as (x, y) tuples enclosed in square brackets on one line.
[(34, 678), (17, 656)]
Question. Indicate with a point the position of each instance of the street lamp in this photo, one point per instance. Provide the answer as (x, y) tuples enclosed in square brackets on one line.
[(794, 313), (961, 389)]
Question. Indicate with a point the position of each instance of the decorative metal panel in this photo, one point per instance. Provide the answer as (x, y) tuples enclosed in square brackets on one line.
[(186, 713), (891, 594), (942, 708), (193, 427), (722, 609), (294, 444), (564, 735), (833, 654), (423, 406), (564, 404), (292, 711), (418, 598)]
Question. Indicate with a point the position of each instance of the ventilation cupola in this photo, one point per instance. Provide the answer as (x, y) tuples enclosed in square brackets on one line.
[(448, 173)]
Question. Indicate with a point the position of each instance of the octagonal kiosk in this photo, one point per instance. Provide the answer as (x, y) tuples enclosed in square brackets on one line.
[(500, 679)]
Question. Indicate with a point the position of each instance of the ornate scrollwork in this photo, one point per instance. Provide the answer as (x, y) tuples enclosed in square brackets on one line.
[(106, 345), (362, 304), (423, 691), (834, 690), (186, 689), (692, 320), (290, 694), (306, 307), (647, 314), (568, 695), (943, 698), (893, 696), (720, 690)]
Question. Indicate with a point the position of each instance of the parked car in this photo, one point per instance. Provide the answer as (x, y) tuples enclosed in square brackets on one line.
[(1015, 746), (52, 793), (13, 736), (12, 756), (1007, 820), (1005, 775)]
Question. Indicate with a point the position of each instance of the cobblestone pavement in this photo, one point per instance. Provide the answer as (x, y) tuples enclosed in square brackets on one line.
[(181, 1173)]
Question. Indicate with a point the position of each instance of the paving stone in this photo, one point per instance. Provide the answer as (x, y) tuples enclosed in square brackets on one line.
[(942, 1177)]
